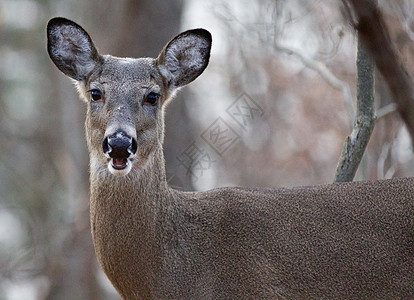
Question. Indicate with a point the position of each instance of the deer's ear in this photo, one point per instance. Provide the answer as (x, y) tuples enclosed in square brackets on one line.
[(185, 57), (71, 48)]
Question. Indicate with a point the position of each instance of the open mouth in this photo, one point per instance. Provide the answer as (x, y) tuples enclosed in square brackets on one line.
[(119, 163), (120, 166)]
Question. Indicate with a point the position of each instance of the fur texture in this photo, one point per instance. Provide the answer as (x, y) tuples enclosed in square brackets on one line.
[(338, 241)]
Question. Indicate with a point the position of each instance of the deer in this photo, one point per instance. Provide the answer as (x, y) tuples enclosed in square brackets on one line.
[(332, 241)]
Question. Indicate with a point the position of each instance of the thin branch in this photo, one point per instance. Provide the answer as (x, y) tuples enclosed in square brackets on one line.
[(385, 152), (327, 75), (356, 143), (386, 110)]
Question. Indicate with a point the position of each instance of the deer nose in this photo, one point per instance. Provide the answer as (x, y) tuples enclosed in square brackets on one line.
[(119, 145)]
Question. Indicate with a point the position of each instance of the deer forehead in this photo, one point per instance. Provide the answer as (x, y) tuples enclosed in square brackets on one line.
[(129, 72)]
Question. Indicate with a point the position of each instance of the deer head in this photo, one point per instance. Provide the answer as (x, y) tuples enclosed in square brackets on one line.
[(126, 96)]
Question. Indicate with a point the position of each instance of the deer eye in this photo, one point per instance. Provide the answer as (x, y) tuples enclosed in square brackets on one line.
[(152, 99), (95, 95)]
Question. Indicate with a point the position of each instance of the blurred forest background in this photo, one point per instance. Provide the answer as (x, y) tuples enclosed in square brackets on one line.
[(281, 84)]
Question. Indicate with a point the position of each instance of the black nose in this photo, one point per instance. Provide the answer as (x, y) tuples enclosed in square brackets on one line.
[(119, 145)]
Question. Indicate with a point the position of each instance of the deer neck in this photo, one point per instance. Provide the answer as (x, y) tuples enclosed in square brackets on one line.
[(140, 193), (126, 214)]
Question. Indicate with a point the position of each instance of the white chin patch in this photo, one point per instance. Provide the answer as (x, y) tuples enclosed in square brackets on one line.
[(118, 168)]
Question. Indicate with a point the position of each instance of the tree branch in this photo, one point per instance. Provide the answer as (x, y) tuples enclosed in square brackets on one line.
[(356, 143)]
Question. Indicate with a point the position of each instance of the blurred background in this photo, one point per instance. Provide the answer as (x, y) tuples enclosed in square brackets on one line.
[(272, 109)]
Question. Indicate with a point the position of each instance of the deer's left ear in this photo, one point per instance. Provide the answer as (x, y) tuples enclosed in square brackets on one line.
[(71, 48), (185, 57)]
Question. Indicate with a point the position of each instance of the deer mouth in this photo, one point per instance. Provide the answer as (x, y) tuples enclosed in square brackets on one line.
[(119, 163), (119, 166)]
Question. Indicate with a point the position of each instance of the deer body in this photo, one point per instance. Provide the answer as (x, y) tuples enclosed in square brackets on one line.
[(350, 240), (334, 241)]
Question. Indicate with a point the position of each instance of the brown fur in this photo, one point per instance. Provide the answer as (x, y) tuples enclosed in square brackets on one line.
[(338, 241)]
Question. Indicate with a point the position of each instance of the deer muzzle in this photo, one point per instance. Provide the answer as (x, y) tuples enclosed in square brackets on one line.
[(119, 148)]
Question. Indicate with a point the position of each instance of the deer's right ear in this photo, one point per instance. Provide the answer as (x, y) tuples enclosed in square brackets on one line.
[(71, 48)]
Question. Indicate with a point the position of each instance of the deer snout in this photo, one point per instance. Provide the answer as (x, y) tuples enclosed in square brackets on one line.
[(119, 147)]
